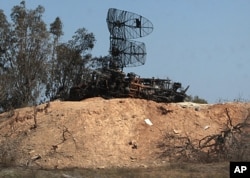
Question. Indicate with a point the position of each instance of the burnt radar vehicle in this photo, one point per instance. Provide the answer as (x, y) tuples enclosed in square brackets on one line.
[(109, 80)]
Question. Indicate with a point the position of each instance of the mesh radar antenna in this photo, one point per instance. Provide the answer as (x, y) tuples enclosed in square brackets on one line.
[(109, 81), (124, 26)]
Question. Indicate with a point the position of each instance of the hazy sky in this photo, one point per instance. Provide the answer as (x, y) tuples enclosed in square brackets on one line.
[(201, 43)]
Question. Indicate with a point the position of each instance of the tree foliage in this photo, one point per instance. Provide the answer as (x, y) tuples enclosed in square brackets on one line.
[(68, 68), (25, 50), (32, 58), (196, 99)]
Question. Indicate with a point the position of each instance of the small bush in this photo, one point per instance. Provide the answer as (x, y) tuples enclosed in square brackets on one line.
[(196, 99)]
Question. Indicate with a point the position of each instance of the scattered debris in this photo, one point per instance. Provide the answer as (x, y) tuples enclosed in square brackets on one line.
[(164, 111), (36, 157), (133, 158), (67, 176), (148, 122), (177, 131), (133, 143), (206, 127), (197, 108)]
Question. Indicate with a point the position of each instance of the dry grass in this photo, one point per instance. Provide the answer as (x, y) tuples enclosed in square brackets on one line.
[(217, 170)]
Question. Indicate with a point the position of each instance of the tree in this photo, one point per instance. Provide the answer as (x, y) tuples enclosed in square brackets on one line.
[(26, 50), (196, 99), (70, 63), (4, 36), (56, 32), (32, 58), (4, 57)]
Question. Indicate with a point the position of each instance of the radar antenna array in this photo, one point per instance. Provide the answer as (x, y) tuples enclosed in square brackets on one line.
[(109, 81), (124, 26)]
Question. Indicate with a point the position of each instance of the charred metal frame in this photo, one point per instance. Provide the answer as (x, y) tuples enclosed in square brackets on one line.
[(110, 81)]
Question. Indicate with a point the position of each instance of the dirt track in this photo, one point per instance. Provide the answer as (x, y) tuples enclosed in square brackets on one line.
[(98, 133)]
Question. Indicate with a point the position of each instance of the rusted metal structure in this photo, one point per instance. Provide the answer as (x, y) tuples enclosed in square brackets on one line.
[(114, 84), (109, 81)]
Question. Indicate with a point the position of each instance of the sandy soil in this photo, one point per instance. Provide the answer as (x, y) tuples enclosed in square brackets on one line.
[(99, 133)]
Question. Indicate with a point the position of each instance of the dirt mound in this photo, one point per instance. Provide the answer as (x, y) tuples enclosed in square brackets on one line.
[(106, 133)]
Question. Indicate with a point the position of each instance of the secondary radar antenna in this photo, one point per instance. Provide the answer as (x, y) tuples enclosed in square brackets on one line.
[(124, 26)]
